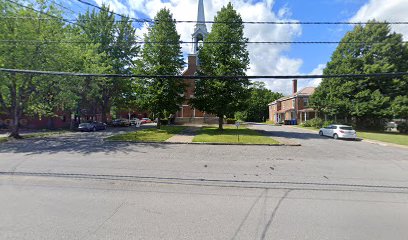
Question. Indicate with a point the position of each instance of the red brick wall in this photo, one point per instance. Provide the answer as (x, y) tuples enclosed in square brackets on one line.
[(62, 121), (187, 111)]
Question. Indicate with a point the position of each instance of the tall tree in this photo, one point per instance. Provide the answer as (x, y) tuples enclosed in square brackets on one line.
[(222, 96), (161, 56), (257, 109), (369, 99), (117, 41), (400, 107), (19, 93)]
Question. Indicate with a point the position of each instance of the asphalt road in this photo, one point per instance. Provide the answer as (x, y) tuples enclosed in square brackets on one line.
[(78, 187)]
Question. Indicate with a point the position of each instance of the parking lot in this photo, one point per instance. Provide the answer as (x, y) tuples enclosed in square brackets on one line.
[(86, 188)]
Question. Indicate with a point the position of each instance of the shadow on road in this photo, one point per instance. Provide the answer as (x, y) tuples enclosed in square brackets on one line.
[(287, 134), (76, 142)]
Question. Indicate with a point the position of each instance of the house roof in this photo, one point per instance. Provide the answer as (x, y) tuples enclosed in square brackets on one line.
[(307, 91)]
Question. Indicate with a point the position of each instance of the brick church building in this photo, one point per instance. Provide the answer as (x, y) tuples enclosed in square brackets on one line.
[(188, 114)]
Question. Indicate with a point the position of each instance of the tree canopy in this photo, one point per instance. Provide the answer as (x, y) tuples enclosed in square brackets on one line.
[(257, 109), (161, 96), (369, 99), (222, 96)]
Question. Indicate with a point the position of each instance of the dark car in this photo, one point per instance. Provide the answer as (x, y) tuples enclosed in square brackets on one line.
[(120, 123), (91, 126)]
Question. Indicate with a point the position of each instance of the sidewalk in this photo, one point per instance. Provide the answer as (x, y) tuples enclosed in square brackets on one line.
[(186, 136)]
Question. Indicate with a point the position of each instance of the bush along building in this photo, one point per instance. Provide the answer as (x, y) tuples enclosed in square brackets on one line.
[(294, 109), (188, 114)]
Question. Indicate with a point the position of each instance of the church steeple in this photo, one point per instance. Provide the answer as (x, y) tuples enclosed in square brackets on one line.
[(200, 30)]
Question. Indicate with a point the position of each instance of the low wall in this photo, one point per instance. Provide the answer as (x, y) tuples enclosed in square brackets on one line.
[(197, 120)]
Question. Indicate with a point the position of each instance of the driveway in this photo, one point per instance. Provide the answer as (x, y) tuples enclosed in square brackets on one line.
[(79, 187)]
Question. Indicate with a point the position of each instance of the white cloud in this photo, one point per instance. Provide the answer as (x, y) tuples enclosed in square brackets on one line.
[(314, 82), (265, 59), (385, 10)]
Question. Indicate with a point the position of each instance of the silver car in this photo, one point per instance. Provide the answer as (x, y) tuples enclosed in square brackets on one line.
[(338, 131), (91, 126)]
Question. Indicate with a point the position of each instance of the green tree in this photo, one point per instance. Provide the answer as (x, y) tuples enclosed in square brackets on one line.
[(116, 41), (161, 96), (257, 109), (220, 96), (21, 94), (400, 107), (368, 100)]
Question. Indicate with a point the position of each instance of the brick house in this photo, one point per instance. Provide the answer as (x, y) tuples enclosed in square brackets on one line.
[(293, 109)]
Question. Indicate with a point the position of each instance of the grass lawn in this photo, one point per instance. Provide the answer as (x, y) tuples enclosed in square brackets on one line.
[(43, 134), (149, 135), (35, 135), (389, 137), (230, 135)]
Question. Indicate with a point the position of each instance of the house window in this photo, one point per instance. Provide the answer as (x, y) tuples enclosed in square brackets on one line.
[(293, 103), (305, 102)]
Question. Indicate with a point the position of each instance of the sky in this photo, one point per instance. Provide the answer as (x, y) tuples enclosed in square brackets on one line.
[(273, 59)]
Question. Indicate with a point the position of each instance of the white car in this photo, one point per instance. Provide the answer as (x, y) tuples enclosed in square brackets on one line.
[(338, 131)]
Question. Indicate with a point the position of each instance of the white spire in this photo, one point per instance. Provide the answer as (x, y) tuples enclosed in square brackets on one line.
[(200, 30), (200, 15)]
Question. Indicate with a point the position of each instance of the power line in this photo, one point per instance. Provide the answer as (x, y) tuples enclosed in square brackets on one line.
[(191, 42), (53, 73), (224, 22), (66, 8), (49, 15), (250, 22), (112, 12)]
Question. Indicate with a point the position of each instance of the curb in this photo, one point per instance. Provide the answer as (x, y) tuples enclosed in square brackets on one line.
[(204, 143), (384, 144)]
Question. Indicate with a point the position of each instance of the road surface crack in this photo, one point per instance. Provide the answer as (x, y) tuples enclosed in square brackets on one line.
[(273, 215), (107, 219)]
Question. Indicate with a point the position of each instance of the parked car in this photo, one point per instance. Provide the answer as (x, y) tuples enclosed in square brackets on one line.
[(338, 131), (146, 120), (134, 121), (91, 126), (120, 123)]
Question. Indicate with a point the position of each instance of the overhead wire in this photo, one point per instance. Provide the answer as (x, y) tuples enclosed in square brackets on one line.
[(44, 13), (112, 12), (54, 73), (226, 22), (251, 22), (192, 42)]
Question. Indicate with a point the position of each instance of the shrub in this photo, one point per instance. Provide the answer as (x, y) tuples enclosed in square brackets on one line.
[(327, 123), (316, 122), (242, 116), (306, 123), (403, 127), (231, 121)]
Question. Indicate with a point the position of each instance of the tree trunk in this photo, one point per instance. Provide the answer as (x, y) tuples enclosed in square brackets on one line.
[(15, 130), (105, 108), (220, 122), (158, 123), (15, 109)]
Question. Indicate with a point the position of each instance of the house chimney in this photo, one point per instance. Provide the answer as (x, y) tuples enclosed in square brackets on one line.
[(294, 81)]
